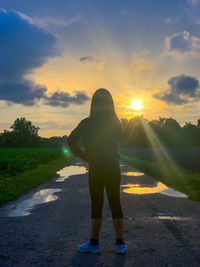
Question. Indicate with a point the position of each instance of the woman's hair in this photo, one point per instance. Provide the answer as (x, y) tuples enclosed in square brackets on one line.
[(102, 108)]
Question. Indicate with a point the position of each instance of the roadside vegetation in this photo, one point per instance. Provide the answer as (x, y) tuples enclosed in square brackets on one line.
[(14, 161), (182, 180), (22, 169)]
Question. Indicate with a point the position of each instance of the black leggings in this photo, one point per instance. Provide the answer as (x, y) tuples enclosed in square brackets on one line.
[(108, 175)]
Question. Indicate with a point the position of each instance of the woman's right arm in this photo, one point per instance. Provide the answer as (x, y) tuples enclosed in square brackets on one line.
[(73, 139)]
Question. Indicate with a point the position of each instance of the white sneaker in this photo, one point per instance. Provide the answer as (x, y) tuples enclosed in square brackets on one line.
[(121, 249), (87, 247)]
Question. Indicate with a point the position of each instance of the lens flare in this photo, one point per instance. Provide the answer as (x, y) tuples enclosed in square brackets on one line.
[(136, 105)]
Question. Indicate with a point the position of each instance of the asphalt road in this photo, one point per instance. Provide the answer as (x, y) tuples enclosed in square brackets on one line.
[(161, 226)]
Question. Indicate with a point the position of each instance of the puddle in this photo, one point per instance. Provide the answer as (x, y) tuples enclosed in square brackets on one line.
[(133, 173), (161, 188), (175, 218), (173, 193), (70, 170), (24, 208)]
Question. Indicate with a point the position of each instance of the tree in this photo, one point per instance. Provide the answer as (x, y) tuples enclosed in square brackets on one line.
[(23, 133), (198, 123), (189, 125)]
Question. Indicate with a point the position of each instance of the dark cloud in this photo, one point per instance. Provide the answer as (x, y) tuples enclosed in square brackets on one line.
[(88, 58), (183, 89), (63, 99), (24, 92), (23, 47), (184, 84), (92, 62)]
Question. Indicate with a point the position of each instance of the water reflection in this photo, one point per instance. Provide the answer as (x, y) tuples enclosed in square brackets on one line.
[(133, 173), (174, 218), (24, 208), (173, 193), (70, 170), (140, 189)]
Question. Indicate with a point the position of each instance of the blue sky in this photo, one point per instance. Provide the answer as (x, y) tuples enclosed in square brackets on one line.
[(57, 53)]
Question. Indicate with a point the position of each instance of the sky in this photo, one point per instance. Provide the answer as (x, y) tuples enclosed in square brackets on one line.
[(55, 54)]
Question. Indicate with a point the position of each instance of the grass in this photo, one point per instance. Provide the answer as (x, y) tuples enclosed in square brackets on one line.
[(14, 161), (12, 187), (182, 180)]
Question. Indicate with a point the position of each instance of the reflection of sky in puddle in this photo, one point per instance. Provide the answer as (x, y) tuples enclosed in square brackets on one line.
[(174, 218), (159, 188), (70, 170), (23, 208), (133, 173)]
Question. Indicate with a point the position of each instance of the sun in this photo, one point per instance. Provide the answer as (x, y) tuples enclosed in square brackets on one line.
[(136, 105)]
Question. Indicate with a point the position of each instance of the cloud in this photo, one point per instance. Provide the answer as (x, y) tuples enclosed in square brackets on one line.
[(24, 47), (92, 62), (183, 89), (48, 22), (182, 44), (23, 92), (63, 99), (141, 63)]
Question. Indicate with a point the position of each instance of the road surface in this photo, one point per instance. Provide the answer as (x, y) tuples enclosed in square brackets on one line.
[(42, 228)]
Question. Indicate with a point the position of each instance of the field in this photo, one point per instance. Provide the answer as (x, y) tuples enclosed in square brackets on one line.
[(24, 168), (14, 161)]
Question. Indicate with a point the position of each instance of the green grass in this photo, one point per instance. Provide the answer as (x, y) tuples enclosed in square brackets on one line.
[(14, 184), (14, 161), (182, 180)]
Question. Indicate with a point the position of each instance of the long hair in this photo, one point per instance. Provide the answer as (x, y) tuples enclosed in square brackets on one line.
[(102, 110)]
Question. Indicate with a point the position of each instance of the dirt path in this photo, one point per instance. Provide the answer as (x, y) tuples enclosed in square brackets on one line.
[(159, 230)]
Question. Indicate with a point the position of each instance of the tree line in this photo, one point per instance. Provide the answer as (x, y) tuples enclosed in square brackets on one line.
[(145, 133), (24, 134), (162, 132)]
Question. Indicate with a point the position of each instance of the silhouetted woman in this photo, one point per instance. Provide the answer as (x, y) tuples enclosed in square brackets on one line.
[(101, 132)]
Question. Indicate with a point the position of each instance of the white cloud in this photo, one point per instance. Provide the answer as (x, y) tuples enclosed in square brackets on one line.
[(47, 22)]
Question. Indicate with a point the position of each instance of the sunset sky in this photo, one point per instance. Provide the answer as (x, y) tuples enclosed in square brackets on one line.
[(55, 54)]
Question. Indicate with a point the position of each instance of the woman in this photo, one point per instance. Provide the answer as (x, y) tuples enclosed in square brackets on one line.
[(100, 133)]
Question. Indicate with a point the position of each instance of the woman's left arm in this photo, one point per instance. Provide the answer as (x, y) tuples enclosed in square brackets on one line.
[(123, 134)]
